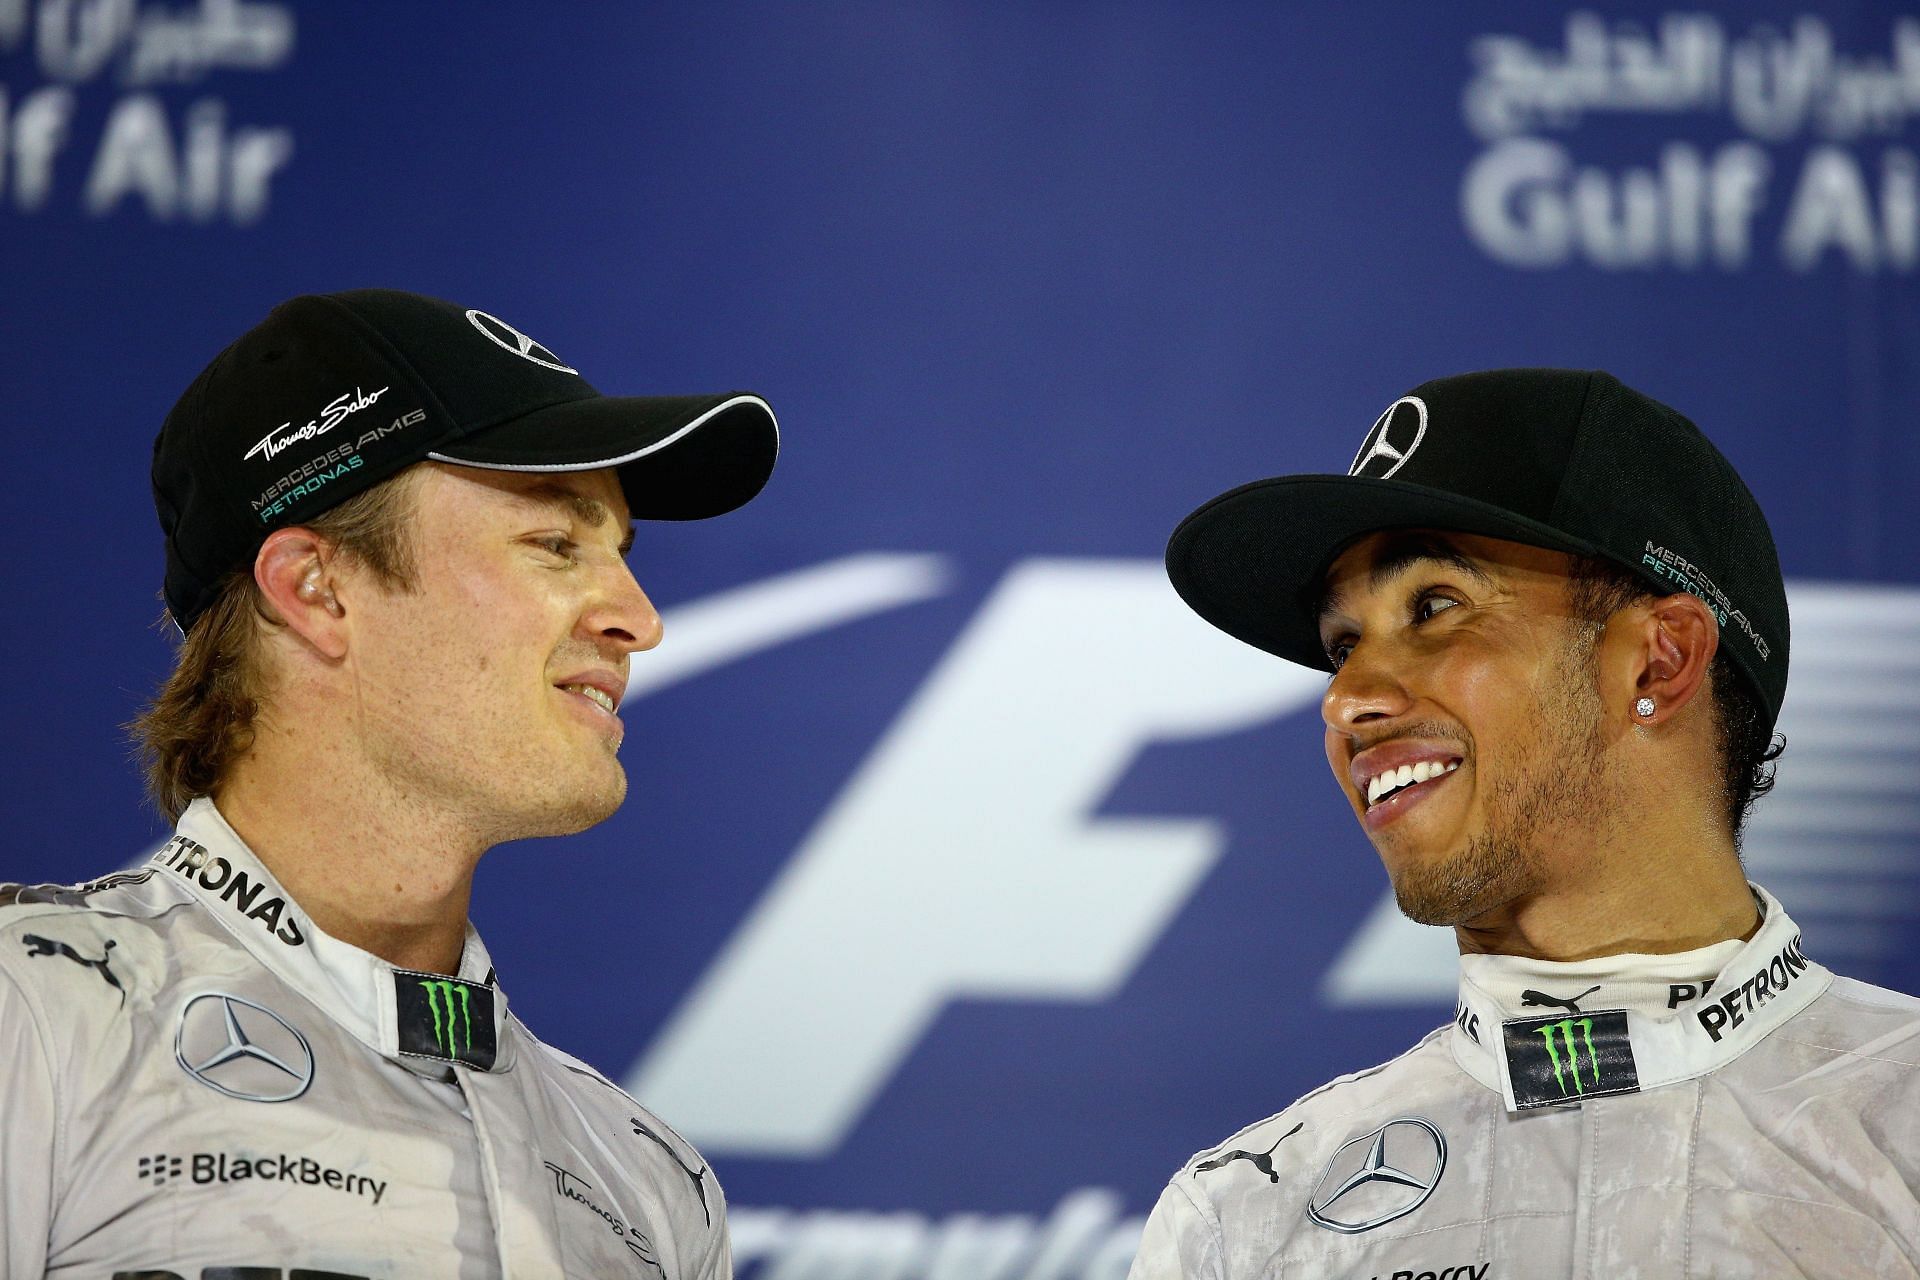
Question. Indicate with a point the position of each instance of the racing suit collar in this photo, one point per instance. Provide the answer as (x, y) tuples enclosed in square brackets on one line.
[(426, 1022), (1541, 1033)]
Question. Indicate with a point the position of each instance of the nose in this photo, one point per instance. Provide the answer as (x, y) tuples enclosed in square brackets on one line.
[(1365, 689), (621, 618)]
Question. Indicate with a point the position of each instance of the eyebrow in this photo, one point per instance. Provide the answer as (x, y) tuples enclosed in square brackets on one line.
[(589, 511), (1396, 556)]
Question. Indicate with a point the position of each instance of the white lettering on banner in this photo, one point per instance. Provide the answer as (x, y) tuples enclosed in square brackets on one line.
[(77, 40), (211, 174), (1083, 1239), (1832, 209), (14, 15), (136, 158), (1527, 203), (36, 132), (190, 166), (962, 859), (1772, 85)]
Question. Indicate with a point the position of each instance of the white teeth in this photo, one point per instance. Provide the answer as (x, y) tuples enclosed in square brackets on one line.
[(1382, 784), (600, 696)]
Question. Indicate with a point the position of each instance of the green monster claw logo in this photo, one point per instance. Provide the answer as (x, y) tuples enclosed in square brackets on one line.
[(456, 1025), (1565, 1028)]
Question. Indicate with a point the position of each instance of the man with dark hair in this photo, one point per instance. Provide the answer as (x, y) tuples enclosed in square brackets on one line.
[(1557, 637), (396, 533)]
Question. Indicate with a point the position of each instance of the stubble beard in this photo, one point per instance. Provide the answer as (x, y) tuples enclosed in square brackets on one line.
[(501, 796), (593, 804), (567, 799), (1557, 788)]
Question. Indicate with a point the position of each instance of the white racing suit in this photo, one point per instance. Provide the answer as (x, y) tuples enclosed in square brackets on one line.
[(200, 1084), (1734, 1111)]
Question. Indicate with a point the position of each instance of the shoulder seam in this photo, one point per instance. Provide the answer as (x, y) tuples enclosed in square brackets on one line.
[(1850, 1053), (1311, 1094), (21, 912), (581, 1067), (567, 1060), (45, 1037), (1873, 998), (1212, 1219)]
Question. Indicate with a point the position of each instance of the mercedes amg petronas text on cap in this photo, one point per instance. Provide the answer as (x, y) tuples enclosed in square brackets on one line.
[(332, 393)]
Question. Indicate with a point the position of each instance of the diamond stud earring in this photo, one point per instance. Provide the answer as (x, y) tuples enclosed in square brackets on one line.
[(1643, 708)]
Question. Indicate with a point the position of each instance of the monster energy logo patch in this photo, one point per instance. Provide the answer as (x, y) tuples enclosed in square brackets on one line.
[(459, 1020), (1553, 1061), (1564, 1029), (444, 1018)]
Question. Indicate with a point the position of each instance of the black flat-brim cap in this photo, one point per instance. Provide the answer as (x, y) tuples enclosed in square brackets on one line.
[(333, 393), (1570, 460), (516, 406), (678, 457)]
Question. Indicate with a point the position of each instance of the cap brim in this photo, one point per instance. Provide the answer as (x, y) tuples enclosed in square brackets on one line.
[(1251, 561), (679, 457)]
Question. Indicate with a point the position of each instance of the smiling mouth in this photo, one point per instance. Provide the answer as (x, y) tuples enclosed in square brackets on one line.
[(599, 697), (1392, 782)]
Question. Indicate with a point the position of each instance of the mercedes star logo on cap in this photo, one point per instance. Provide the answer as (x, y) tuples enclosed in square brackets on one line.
[(508, 338), (1407, 429), (1399, 1171), (244, 1050)]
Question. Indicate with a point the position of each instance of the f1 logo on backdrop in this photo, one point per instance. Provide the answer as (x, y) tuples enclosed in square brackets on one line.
[(1040, 900), (1043, 901)]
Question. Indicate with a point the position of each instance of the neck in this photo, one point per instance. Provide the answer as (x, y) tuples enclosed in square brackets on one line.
[(394, 879), (1660, 899)]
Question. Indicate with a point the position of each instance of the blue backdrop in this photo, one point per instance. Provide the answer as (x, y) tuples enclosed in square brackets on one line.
[(967, 884)]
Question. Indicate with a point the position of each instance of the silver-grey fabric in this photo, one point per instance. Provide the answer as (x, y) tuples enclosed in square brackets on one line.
[(197, 1079), (1734, 1111)]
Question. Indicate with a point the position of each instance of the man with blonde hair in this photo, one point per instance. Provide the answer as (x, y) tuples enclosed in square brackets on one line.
[(395, 538)]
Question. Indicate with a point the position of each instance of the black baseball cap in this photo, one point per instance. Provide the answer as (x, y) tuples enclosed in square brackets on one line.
[(333, 393), (1567, 459)]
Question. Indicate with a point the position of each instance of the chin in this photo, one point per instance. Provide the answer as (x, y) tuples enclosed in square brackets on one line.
[(1461, 884), (1409, 859), (595, 796), (1417, 905), (598, 803)]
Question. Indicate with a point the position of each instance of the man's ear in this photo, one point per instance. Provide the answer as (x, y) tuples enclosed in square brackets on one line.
[(1673, 640), (295, 571)]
